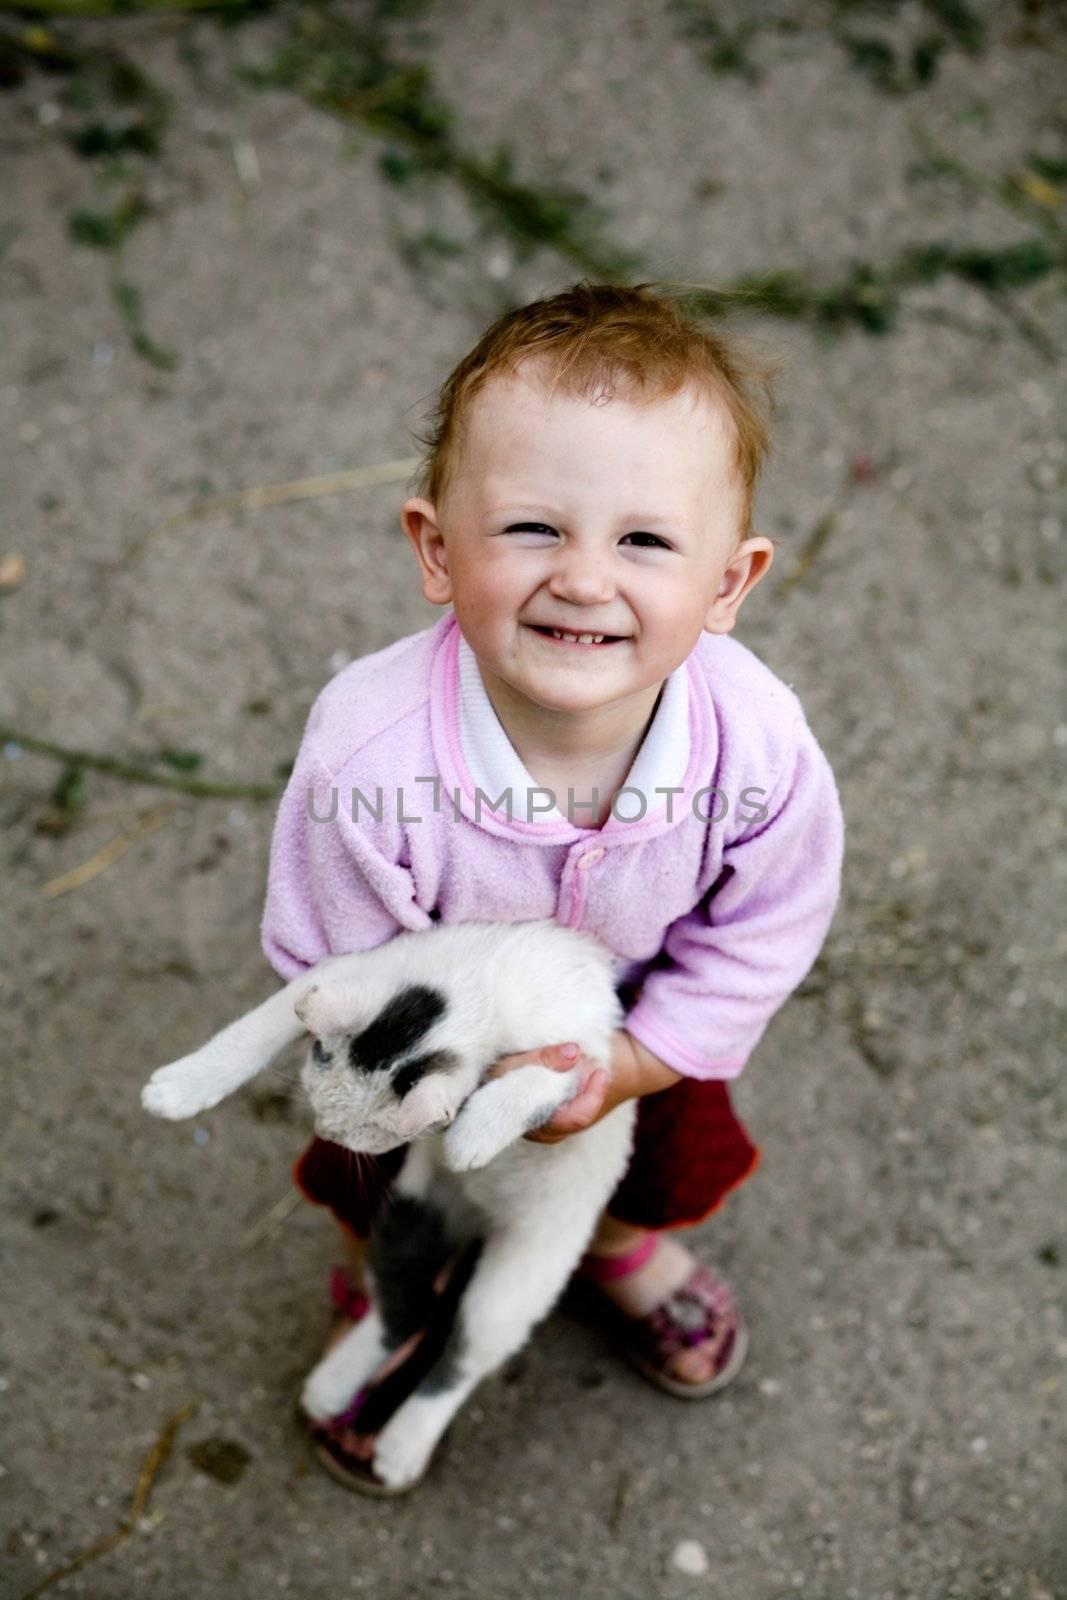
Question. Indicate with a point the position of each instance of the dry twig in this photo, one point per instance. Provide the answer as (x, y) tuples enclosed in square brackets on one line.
[(272, 1220), (148, 822), (809, 553), (201, 788), (154, 1462), (276, 494)]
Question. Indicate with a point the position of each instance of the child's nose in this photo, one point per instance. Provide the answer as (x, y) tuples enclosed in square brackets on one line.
[(581, 578)]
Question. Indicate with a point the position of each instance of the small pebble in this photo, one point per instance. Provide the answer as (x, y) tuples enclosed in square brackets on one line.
[(12, 570), (689, 1558), (246, 163), (140, 1380), (770, 1387), (201, 1136)]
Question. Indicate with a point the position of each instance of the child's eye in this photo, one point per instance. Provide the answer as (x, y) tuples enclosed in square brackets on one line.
[(647, 541), (531, 527)]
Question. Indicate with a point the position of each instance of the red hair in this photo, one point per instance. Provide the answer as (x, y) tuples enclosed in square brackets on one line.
[(598, 338)]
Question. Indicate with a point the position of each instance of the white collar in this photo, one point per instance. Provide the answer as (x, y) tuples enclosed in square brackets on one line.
[(495, 765)]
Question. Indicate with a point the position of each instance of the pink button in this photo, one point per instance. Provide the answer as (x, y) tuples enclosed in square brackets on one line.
[(590, 859)]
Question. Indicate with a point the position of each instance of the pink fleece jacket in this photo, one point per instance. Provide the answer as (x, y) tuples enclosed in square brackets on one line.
[(714, 881)]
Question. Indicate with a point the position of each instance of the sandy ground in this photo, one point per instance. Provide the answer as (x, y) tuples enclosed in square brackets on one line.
[(899, 1428)]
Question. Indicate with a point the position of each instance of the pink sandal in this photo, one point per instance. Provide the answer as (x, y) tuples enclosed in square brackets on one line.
[(702, 1308), (343, 1443), (349, 1301)]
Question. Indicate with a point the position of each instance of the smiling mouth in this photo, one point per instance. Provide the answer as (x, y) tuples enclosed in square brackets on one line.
[(568, 637)]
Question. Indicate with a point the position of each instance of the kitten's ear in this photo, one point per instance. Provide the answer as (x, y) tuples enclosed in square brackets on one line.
[(321, 1010), (305, 1007)]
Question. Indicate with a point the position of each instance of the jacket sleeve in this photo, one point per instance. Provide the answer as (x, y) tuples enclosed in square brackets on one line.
[(332, 886), (731, 962)]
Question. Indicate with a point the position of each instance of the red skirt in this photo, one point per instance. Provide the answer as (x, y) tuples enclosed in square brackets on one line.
[(689, 1151)]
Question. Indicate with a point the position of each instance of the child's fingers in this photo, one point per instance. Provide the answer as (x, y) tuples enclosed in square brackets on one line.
[(583, 1109), (560, 1057), (578, 1113)]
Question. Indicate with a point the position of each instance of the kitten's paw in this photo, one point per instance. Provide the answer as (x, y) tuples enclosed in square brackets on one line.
[(403, 1452), (179, 1091), (472, 1142), (344, 1369), (501, 1111), (325, 1394)]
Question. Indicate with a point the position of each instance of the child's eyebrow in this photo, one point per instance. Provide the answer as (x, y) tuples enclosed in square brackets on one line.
[(523, 505), (631, 519), (653, 519)]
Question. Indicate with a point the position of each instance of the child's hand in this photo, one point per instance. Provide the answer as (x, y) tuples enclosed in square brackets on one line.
[(635, 1071), (592, 1101)]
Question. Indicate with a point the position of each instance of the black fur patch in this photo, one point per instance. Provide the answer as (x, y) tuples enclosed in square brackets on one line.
[(320, 1055), (445, 1371), (408, 1248), (396, 1029), (440, 1348), (412, 1072), (444, 1374)]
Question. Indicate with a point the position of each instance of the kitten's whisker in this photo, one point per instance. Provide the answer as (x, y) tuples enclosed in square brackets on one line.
[(281, 1072)]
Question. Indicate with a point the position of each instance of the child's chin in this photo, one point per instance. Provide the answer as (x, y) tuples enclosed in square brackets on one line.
[(559, 694)]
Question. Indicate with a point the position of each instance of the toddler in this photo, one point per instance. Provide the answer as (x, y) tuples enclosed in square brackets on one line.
[(578, 738)]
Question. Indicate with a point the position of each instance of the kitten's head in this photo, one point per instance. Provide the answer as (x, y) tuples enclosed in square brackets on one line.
[(380, 1071)]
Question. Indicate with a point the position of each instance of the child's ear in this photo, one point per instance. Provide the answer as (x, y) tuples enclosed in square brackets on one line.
[(750, 562), (418, 518)]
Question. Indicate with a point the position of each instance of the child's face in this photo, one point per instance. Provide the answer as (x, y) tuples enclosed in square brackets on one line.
[(613, 524)]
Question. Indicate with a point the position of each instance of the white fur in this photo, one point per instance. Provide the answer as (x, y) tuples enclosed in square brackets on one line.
[(508, 988)]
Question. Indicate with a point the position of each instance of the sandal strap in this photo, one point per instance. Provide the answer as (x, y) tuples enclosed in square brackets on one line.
[(346, 1418), (351, 1302), (605, 1269), (697, 1311)]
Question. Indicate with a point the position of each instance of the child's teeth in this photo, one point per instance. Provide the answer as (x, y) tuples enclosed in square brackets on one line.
[(578, 638)]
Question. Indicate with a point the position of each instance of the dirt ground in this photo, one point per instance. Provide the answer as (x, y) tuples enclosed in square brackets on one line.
[(265, 284)]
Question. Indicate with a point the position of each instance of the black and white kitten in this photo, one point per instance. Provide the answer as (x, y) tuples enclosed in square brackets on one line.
[(403, 1038)]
